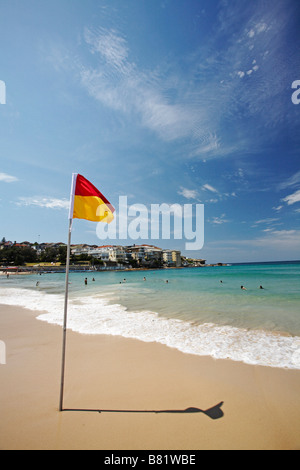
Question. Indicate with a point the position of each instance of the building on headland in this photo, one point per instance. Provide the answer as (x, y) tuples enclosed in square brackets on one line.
[(137, 255), (172, 258), (101, 253), (193, 262), (106, 256), (144, 254), (176, 258)]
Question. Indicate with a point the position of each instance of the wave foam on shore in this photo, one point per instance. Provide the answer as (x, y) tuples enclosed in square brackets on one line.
[(98, 315)]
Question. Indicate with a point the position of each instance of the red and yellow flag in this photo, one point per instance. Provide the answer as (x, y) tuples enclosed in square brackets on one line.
[(89, 203)]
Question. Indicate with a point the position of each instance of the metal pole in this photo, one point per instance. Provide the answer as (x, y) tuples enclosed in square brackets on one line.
[(63, 360), (65, 320)]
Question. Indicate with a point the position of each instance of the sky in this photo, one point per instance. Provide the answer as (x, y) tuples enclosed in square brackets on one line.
[(162, 101)]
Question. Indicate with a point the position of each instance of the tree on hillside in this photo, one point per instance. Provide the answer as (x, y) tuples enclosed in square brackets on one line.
[(49, 255), (17, 256)]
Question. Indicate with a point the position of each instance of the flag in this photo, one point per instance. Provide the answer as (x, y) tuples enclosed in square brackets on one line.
[(87, 202)]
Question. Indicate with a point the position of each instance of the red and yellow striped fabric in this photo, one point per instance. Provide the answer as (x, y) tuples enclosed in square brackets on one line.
[(90, 204)]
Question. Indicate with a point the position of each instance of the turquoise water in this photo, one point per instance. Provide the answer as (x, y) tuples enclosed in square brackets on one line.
[(197, 295), (193, 311)]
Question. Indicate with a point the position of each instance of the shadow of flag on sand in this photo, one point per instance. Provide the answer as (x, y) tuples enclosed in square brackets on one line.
[(213, 413)]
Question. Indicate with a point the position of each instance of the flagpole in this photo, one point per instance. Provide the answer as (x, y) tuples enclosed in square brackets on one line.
[(89, 191), (65, 320), (63, 360)]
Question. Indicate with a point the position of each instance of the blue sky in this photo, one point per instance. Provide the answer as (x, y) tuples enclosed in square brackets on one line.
[(165, 101)]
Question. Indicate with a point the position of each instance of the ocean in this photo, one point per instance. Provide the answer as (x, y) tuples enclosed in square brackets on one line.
[(201, 311)]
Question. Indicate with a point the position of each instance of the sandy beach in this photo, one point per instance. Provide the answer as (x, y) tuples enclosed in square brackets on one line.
[(151, 397)]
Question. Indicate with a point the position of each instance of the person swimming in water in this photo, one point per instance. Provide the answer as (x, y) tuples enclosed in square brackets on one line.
[(243, 288)]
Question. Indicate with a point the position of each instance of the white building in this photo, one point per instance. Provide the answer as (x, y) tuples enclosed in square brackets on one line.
[(101, 253), (167, 257), (172, 258), (117, 254)]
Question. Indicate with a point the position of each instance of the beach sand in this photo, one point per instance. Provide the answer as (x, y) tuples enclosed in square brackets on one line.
[(229, 405)]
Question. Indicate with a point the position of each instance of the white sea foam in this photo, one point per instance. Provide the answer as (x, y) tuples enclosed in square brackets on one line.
[(96, 315)]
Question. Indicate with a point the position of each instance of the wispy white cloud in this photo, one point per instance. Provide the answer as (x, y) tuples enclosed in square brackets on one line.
[(219, 220), (58, 55), (290, 182), (208, 145), (188, 193), (269, 220), (194, 97), (119, 84), (270, 246), (8, 178), (292, 198), (193, 112), (210, 188), (110, 45), (47, 202), (244, 68), (280, 239), (293, 182)]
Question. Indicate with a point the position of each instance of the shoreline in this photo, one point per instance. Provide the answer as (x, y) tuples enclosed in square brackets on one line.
[(151, 396), (81, 269), (257, 346), (62, 269)]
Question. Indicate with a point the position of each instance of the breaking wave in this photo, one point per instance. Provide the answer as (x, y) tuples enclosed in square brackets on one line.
[(99, 315)]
